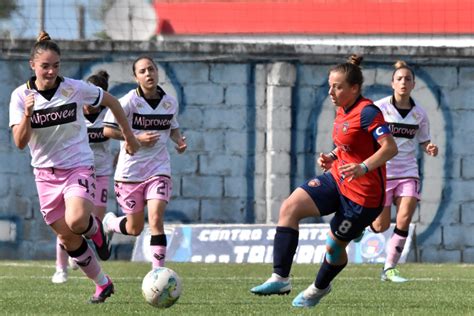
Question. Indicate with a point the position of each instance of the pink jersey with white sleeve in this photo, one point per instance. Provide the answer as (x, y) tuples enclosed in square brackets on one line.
[(409, 132), (148, 161), (100, 145), (59, 133)]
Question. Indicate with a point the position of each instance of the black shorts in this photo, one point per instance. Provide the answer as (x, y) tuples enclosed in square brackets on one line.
[(350, 219)]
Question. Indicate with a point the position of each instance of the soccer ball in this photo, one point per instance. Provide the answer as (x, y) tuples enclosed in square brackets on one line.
[(161, 287)]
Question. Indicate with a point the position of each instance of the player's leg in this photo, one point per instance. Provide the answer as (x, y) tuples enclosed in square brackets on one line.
[(406, 199), (130, 197), (348, 223), (60, 275), (382, 222), (158, 193), (305, 201), (158, 242), (78, 249)]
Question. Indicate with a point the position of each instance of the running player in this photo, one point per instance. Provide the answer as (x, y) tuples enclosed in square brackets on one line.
[(145, 177), (353, 189), (103, 163), (46, 114), (409, 125)]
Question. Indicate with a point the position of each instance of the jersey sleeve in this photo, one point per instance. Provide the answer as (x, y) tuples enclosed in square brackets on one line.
[(91, 94), (423, 134), (17, 106), (109, 118), (174, 120), (371, 120)]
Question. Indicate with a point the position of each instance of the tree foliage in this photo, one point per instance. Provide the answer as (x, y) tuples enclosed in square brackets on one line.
[(7, 7)]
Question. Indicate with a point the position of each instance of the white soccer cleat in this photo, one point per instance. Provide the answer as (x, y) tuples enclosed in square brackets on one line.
[(392, 275), (60, 276), (311, 296), (108, 230)]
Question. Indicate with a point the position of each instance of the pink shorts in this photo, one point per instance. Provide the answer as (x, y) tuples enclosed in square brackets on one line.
[(56, 185), (401, 187), (133, 196), (101, 190)]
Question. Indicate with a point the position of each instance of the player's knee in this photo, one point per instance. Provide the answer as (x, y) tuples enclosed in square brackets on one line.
[(135, 230)]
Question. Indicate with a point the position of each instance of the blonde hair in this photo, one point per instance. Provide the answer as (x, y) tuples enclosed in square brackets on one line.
[(400, 64)]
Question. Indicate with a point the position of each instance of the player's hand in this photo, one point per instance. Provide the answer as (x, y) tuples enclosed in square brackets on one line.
[(431, 149), (29, 104), (181, 146), (325, 161), (148, 139), (352, 171), (132, 145)]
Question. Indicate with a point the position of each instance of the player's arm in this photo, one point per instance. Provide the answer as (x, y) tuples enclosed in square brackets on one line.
[(22, 131), (132, 145), (179, 140)]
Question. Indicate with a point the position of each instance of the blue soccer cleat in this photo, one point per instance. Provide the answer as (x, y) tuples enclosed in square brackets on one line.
[(272, 288), (310, 297)]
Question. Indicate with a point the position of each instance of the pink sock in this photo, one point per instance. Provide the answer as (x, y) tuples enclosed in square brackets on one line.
[(394, 251), (87, 261), (159, 254), (115, 224), (61, 257)]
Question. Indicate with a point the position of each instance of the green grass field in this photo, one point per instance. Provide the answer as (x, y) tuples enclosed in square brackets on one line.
[(223, 289)]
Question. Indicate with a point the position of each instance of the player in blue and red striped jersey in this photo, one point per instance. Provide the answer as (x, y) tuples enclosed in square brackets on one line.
[(353, 190)]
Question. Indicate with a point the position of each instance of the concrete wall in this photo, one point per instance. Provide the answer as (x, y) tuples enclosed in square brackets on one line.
[(255, 117)]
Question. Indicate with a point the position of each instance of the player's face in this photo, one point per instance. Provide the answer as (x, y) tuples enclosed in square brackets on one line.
[(45, 64), (340, 92), (146, 74), (403, 82)]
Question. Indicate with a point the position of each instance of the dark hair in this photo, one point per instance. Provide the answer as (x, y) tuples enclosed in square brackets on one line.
[(351, 69), (140, 58), (400, 64), (100, 79), (44, 42)]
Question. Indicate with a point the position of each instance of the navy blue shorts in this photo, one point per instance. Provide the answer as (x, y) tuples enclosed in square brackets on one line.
[(350, 219)]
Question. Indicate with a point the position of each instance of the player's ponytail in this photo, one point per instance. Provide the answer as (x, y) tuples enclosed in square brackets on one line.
[(400, 64), (351, 69), (44, 42), (100, 79)]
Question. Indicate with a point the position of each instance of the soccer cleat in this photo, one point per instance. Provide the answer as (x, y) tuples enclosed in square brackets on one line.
[(72, 264), (60, 276), (101, 242), (392, 275), (310, 297), (102, 292), (272, 288), (108, 229)]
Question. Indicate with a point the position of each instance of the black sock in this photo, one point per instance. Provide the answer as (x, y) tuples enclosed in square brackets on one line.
[(158, 240), (327, 273), (284, 248), (403, 233), (123, 226)]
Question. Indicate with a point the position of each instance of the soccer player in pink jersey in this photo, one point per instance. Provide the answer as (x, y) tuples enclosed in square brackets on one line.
[(145, 178), (409, 125), (352, 190), (103, 163), (46, 114)]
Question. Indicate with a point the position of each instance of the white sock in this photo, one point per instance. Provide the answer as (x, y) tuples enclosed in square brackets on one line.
[(277, 278)]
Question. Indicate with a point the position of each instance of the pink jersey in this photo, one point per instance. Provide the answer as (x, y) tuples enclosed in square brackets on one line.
[(100, 145), (148, 161), (59, 133), (409, 132)]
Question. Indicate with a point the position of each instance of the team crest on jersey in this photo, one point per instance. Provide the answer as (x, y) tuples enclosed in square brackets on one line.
[(166, 105), (66, 92), (139, 105), (314, 183), (345, 127), (415, 115)]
